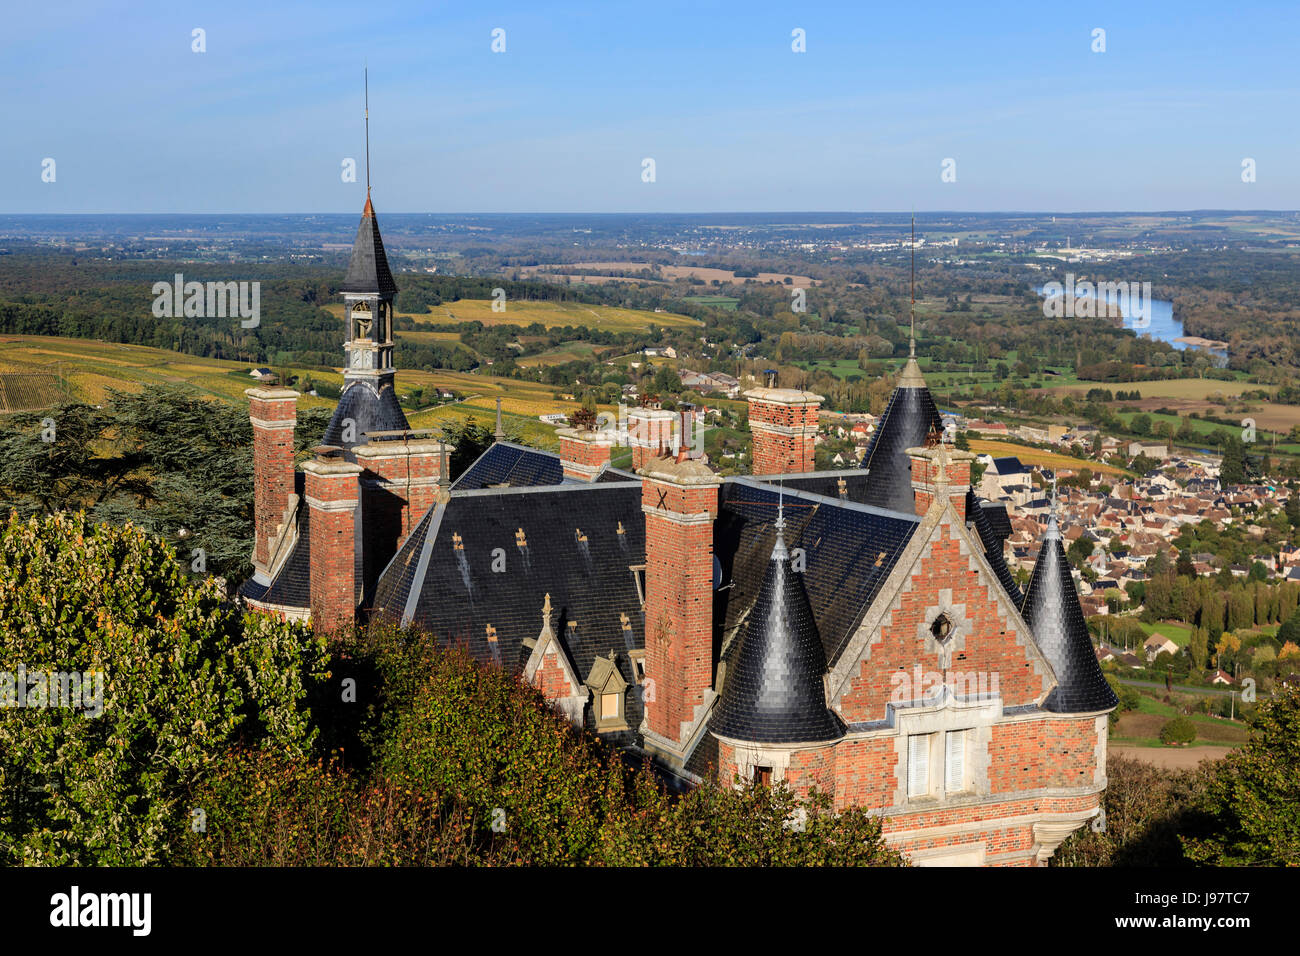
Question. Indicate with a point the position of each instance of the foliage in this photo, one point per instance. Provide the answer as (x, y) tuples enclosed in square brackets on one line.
[(1179, 730), (184, 677), (1256, 794), (1148, 812), (434, 722), (176, 465)]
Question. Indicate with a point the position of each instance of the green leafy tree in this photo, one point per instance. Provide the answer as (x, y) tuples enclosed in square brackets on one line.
[(1180, 730), (184, 675), (1256, 792)]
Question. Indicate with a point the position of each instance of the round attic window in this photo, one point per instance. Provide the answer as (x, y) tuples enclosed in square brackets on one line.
[(941, 628)]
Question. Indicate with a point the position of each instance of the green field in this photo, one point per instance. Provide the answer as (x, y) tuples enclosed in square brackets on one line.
[(550, 314), (725, 302), (1180, 634)]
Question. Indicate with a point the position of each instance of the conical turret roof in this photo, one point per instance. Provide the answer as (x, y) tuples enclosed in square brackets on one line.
[(1052, 611), (368, 269), (773, 691), (909, 418)]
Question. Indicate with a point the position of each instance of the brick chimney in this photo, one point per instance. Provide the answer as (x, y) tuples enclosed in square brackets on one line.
[(274, 414), (401, 475), (783, 423), (584, 452), (679, 497), (333, 494), (938, 471), (649, 433)]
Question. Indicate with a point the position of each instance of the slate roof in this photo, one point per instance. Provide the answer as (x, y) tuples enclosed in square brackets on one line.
[(442, 580), (978, 514), (368, 269), (1051, 609), (513, 465), (291, 587), (848, 549), (907, 421), (773, 691), (826, 483), (370, 410)]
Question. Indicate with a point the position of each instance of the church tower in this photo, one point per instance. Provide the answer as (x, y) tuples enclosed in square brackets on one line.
[(368, 403)]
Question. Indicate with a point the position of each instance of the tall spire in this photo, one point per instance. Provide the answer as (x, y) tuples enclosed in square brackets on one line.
[(367, 135), (911, 341)]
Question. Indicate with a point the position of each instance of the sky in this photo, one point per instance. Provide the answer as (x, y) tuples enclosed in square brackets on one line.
[(1014, 94)]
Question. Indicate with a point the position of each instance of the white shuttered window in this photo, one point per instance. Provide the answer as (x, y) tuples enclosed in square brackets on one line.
[(918, 765), (955, 761)]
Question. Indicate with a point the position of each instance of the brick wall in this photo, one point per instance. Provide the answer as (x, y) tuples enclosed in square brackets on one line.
[(399, 485), (991, 648), (783, 425), (333, 491), (583, 453), (1061, 752), (273, 412), (648, 431), (679, 599)]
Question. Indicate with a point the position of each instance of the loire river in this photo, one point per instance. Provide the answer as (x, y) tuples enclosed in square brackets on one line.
[(1163, 327)]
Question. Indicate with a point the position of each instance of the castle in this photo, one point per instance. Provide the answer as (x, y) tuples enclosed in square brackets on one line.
[(857, 631)]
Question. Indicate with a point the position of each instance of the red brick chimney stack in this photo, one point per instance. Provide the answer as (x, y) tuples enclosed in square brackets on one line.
[(332, 489), (783, 423), (404, 468), (583, 452), (649, 432), (680, 502), (274, 414), (940, 471)]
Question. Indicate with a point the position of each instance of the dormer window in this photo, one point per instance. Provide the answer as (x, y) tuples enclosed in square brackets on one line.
[(608, 694)]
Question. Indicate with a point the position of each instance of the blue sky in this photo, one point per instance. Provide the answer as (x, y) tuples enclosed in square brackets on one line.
[(734, 120)]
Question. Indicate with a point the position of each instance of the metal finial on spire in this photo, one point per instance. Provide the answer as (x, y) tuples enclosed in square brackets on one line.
[(367, 74), (1053, 492), (911, 342), (779, 551)]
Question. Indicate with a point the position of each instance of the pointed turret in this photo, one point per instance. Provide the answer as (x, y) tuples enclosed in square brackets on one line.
[(774, 691), (909, 419), (368, 270), (1052, 611), (369, 403)]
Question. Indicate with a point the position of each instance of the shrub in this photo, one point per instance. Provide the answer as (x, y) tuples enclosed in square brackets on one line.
[(1179, 731), (184, 677)]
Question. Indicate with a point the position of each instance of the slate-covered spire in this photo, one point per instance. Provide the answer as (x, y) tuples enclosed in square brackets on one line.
[(908, 421), (773, 691), (368, 270), (1052, 611)]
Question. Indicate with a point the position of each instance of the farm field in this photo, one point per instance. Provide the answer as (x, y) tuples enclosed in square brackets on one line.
[(549, 314), (1199, 389), (89, 369), (677, 272), (1033, 456)]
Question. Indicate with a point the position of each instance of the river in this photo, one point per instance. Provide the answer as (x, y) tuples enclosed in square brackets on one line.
[(1162, 327)]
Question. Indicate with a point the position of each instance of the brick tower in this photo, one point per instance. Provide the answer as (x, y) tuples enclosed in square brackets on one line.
[(679, 497), (273, 412)]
